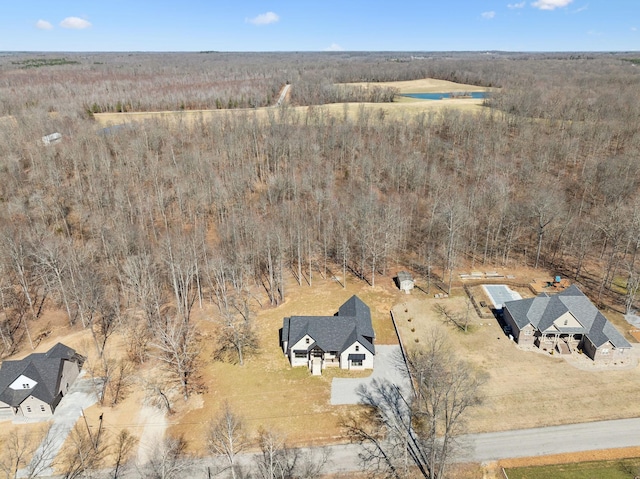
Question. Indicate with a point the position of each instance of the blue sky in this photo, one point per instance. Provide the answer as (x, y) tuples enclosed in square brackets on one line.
[(313, 25)]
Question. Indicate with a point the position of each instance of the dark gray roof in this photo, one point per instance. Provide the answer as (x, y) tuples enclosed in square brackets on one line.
[(355, 307), (333, 333), (544, 309), (44, 368)]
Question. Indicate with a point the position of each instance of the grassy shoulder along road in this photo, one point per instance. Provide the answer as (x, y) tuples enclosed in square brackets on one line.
[(619, 469)]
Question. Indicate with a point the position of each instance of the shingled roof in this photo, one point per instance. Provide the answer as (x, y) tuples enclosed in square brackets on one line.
[(333, 333), (43, 368), (544, 309)]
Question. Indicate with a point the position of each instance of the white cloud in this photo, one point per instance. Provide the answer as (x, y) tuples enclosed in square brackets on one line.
[(264, 19), (550, 4), (516, 5), (334, 47), (488, 15), (634, 29), (75, 23), (43, 25)]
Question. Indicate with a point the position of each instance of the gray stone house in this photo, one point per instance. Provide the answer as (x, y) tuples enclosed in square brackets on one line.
[(565, 322), (34, 386)]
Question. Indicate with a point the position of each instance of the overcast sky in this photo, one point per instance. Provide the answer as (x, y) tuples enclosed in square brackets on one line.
[(314, 25)]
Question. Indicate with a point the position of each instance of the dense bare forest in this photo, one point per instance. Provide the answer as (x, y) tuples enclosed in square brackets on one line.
[(168, 214)]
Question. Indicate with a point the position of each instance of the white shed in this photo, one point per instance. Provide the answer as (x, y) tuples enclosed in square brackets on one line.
[(52, 139), (405, 281)]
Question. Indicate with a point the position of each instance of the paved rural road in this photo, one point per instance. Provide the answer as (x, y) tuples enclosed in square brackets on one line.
[(551, 440), (484, 447)]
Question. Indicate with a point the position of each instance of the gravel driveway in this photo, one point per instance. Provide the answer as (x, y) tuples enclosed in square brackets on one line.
[(388, 364)]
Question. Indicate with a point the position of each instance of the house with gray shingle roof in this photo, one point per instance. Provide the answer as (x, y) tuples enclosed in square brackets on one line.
[(344, 340), (34, 386), (565, 322)]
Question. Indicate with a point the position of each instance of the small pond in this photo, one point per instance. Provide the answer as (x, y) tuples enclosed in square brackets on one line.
[(441, 96)]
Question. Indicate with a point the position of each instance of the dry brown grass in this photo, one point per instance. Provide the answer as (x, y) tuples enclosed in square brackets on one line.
[(525, 388), (267, 392)]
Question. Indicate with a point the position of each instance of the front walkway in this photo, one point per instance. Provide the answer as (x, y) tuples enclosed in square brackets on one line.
[(388, 364)]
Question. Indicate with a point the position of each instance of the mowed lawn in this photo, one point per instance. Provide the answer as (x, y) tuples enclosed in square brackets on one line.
[(267, 392), (524, 388), (619, 469)]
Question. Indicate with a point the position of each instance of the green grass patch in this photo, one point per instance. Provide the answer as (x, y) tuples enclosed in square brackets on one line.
[(619, 469), (632, 60), (44, 62)]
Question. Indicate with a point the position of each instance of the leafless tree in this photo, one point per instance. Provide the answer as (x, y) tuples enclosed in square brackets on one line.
[(85, 452), (226, 437), (401, 433), (177, 347), (168, 460), (27, 453), (122, 450)]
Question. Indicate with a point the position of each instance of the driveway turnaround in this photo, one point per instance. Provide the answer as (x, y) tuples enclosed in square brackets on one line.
[(388, 364)]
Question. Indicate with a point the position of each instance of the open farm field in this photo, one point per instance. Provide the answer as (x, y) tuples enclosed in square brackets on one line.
[(423, 85), (402, 107)]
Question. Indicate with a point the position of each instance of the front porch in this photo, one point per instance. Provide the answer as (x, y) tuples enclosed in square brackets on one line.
[(562, 343)]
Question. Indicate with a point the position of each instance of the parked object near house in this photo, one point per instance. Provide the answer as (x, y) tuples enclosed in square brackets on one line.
[(565, 322), (52, 139), (34, 386), (405, 281), (344, 340)]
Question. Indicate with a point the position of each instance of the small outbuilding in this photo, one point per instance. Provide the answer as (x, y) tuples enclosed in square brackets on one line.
[(52, 139), (405, 281)]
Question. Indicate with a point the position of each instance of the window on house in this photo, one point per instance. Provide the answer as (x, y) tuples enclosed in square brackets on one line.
[(300, 354), (356, 363), (42, 408), (307, 340), (28, 408), (604, 351), (566, 321), (25, 386), (357, 348), (527, 332)]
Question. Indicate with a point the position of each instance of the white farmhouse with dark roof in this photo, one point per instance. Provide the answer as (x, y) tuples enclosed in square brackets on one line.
[(344, 340), (33, 386), (565, 322)]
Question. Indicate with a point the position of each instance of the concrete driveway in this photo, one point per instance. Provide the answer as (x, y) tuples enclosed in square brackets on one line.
[(388, 364), (80, 396)]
